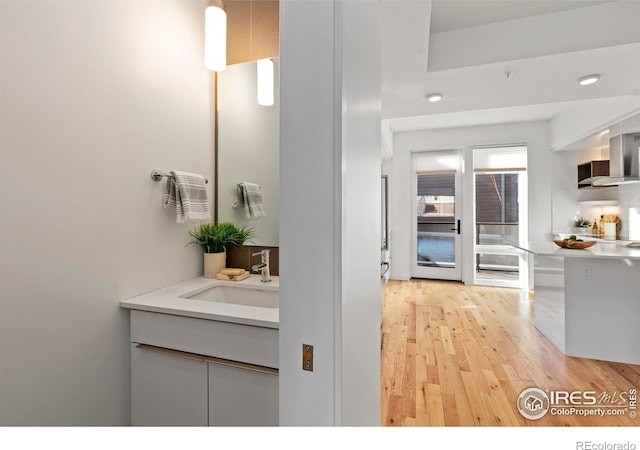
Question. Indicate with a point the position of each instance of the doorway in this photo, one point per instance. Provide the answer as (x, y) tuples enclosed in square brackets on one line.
[(436, 226)]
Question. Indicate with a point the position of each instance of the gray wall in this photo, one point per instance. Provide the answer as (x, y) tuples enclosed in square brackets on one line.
[(93, 95)]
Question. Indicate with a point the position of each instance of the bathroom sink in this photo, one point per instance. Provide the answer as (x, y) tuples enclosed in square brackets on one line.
[(247, 296)]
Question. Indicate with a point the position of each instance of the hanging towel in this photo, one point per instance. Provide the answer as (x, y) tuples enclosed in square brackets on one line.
[(250, 196), (187, 192)]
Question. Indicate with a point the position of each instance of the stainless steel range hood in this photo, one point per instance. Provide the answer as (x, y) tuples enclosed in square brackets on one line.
[(624, 161)]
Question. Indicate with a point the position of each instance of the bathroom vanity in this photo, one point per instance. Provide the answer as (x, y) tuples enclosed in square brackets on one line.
[(587, 302), (204, 352)]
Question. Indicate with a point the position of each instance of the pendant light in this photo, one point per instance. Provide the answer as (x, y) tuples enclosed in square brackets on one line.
[(265, 82), (215, 37)]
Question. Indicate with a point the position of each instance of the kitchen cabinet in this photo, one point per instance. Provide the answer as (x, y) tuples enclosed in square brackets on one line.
[(586, 301), (591, 170)]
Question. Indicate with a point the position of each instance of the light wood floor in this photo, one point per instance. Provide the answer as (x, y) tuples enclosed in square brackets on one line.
[(456, 355)]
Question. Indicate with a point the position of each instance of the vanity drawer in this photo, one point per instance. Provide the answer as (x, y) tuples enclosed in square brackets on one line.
[(237, 342)]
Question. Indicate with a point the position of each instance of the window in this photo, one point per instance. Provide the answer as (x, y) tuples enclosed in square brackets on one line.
[(435, 211), (500, 216)]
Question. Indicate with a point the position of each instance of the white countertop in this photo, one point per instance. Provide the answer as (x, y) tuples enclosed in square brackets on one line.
[(602, 249), (169, 301)]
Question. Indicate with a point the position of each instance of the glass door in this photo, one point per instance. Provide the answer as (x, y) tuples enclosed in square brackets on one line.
[(437, 216), (500, 199)]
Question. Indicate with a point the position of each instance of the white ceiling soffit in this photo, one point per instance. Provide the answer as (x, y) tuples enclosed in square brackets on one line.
[(405, 40), (605, 25), (543, 74), (596, 112), (448, 15), (526, 113)]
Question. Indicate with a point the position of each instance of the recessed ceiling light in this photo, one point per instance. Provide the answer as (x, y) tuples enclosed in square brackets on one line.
[(589, 79), (435, 97), (602, 133)]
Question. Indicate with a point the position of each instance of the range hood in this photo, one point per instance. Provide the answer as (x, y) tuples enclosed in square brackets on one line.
[(624, 161)]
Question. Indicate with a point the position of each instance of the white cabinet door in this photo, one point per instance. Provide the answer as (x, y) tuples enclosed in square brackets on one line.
[(168, 388), (242, 395)]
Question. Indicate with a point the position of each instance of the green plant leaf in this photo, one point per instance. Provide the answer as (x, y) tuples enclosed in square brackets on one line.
[(581, 223), (216, 238)]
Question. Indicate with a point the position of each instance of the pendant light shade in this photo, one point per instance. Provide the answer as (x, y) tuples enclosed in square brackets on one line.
[(215, 37), (265, 82)]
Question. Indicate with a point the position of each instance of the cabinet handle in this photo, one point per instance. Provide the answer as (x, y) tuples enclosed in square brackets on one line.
[(241, 365), (208, 359), (168, 351)]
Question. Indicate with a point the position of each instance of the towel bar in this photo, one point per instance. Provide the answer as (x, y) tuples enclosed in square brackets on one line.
[(157, 175)]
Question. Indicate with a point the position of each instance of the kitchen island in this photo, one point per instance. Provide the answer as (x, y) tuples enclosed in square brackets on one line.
[(587, 302)]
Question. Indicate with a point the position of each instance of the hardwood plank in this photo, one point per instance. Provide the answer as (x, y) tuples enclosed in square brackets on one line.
[(435, 411), (408, 382), (456, 355)]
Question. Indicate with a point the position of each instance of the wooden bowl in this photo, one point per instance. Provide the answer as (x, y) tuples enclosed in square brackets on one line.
[(574, 244)]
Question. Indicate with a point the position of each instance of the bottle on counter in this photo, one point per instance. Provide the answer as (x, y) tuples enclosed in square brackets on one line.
[(595, 230), (602, 222)]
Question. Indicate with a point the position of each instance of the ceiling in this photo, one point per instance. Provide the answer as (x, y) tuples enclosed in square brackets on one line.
[(448, 15), (464, 49)]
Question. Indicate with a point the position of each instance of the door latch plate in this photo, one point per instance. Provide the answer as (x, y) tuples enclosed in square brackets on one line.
[(307, 357)]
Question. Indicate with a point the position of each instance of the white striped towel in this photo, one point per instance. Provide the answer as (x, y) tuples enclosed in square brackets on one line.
[(250, 196), (188, 193)]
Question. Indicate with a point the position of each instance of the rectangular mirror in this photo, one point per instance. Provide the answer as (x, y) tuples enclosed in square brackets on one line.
[(248, 148)]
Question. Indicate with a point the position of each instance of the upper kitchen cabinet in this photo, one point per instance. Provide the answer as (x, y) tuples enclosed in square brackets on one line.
[(592, 171)]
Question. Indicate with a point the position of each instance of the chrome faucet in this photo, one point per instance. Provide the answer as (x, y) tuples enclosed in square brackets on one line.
[(263, 266)]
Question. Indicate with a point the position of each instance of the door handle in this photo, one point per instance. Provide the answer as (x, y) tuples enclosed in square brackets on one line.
[(384, 264), (457, 228)]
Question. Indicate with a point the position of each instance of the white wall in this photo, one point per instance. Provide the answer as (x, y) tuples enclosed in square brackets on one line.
[(629, 197), (361, 212), (330, 212), (93, 95), (566, 195), (534, 134), (248, 148)]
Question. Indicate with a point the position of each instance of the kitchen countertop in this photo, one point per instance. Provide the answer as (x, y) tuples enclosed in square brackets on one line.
[(169, 301), (602, 249)]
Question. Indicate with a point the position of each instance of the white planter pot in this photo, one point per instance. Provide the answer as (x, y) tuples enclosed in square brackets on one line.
[(581, 230), (214, 263)]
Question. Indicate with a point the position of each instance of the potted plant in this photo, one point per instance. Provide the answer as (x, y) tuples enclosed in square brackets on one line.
[(581, 226), (215, 239)]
